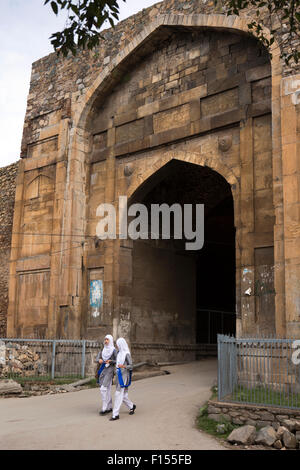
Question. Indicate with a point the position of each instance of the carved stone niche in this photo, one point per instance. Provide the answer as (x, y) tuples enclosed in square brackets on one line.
[(225, 143), (128, 169)]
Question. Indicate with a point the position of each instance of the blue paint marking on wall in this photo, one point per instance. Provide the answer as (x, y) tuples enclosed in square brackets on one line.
[(96, 293)]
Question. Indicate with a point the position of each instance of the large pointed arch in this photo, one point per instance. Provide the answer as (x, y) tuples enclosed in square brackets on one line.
[(139, 47)]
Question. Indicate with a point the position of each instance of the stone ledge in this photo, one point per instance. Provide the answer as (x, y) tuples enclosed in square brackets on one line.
[(275, 409), (256, 415)]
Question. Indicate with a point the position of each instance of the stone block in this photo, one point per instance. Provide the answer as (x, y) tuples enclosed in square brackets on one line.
[(291, 424), (99, 155), (266, 416), (170, 135), (280, 432), (243, 435), (266, 436), (280, 418), (219, 103), (170, 119), (125, 118), (224, 119), (278, 444), (222, 85), (10, 387), (213, 409), (257, 73), (289, 440), (261, 90), (238, 420), (195, 110), (261, 424), (130, 131), (251, 422)]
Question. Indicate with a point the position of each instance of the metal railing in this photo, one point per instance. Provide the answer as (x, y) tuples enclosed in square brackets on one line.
[(52, 358), (261, 371)]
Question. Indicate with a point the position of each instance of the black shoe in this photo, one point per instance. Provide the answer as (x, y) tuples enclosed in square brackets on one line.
[(102, 413), (131, 412), (114, 419)]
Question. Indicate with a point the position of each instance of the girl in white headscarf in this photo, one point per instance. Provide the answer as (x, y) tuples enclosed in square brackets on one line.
[(124, 364), (107, 359)]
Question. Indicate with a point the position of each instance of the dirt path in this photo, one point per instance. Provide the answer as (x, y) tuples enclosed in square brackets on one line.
[(165, 416)]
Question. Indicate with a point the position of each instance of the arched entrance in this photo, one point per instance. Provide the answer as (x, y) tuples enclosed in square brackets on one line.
[(133, 129), (197, 85), (182, 298)]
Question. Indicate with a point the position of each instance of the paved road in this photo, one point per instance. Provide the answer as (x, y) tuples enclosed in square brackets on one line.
[(165, 417)]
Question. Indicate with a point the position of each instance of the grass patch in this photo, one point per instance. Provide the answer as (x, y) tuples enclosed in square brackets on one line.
[(45, 379), (265, 396), (210, 426), (204, 423), (92, 384), (214, 393)]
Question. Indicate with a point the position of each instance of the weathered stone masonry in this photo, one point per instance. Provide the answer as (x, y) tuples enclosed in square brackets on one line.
[(253, 415), (174, 88), (7, 198)]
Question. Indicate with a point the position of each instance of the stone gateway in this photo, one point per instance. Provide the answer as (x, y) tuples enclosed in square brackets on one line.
[(179, 104)]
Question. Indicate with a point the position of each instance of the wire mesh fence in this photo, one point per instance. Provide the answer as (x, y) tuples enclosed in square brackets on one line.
[(47, 358), (262, 371)]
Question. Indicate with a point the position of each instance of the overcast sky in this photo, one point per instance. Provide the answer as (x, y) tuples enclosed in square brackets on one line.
[(25, 28)]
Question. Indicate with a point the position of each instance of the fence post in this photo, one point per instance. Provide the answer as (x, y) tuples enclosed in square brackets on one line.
[(219, 367), (233, 364), (83, 359), (53, 360)]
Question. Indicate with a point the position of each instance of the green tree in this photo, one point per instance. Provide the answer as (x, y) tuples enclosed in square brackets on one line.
[(285, 13), (84, 21)]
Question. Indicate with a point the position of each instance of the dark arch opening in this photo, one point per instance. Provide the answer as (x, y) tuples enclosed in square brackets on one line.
[(182, 297)]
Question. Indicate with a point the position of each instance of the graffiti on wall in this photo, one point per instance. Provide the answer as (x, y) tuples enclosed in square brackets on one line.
[(96, 297)]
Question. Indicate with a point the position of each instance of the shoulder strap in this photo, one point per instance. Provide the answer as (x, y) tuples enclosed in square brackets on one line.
[(120, 378), (100, 370)]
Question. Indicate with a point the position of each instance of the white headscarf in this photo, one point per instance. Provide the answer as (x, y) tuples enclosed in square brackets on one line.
[(108, 349), (123, 350)]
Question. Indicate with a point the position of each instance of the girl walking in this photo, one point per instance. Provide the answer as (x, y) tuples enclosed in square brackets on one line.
[(124, 370), (107, 360)]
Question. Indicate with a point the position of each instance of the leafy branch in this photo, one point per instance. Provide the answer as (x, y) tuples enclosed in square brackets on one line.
[(84, 21), (275, 12)]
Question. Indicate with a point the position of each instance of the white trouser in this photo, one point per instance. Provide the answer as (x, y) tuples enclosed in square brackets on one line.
[(106, 397), (121, 396)]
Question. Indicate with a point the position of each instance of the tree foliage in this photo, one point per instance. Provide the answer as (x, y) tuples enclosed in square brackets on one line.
[(86, 17), (275, 12), (84, 21)]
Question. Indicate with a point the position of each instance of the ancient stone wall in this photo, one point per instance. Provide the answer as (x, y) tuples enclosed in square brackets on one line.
[(7, 198), (174, 82), (193, 90), (55, 80)]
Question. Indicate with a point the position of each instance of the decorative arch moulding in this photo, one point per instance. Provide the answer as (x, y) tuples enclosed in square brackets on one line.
[(220, 22)]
